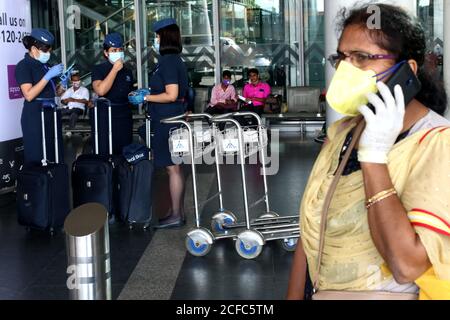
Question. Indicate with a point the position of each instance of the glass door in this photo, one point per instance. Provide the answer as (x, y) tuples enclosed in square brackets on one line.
[(196, 25)]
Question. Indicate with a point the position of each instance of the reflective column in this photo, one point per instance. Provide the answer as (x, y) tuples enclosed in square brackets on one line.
[(88, 255)]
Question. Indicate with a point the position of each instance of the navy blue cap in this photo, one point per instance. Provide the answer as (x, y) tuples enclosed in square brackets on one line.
[(114, 40), (158, 25), (43, 35)]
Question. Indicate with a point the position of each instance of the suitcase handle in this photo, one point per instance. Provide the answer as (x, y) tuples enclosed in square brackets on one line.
[(148, 136), (108, 102), (49, 103)]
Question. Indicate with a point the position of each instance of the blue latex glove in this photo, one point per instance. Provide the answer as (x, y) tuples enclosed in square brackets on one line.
[(65, 77), (137, 97), (54, 72), (65, 82)]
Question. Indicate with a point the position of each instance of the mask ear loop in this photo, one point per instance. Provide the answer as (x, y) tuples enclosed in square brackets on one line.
[(389, 71)]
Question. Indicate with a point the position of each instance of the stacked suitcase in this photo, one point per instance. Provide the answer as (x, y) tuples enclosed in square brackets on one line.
[(43, 190), (135, 188), (124, 190)]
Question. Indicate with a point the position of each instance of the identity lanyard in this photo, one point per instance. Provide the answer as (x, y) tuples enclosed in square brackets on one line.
[(154, 70), (46, 68)]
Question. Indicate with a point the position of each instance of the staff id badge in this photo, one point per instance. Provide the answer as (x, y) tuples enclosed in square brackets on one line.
[(179, 146), (230, 145)]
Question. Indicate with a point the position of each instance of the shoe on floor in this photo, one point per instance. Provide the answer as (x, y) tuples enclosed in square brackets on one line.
[(170, 222)]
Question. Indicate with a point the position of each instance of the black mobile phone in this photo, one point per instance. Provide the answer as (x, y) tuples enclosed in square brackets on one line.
[(409, 82)]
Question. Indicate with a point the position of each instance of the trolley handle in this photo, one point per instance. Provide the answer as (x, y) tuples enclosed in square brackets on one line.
[(188, 116), (49, 103), (240, 114), (110, 142), (148, 134), (102, 99), (222, 119)]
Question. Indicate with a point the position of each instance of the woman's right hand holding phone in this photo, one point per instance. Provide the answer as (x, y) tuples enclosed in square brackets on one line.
[(384, 126)]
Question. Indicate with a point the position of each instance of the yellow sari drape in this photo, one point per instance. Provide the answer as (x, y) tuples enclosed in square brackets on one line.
[(420, 170)]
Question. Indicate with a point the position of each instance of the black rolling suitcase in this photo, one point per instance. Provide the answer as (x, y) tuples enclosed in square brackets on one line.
[(135, 187), (43, 190), (93, 175)]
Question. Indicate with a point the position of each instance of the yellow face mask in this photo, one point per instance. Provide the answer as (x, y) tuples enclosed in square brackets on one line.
[(348, 89)]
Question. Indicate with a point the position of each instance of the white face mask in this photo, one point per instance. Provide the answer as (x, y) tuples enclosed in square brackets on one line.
[(43, 57), (115, 56), (156, 44)]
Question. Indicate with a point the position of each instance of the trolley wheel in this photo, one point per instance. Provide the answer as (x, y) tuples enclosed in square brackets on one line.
[(199, 242), (219, 219), (249, 244), (269, 214), (289, 244)]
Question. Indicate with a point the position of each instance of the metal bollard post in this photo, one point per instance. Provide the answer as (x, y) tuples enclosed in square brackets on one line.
[(88, 256)]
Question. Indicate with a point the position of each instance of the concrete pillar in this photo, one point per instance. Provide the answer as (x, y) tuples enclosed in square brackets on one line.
[(332, 7), (447, 48)]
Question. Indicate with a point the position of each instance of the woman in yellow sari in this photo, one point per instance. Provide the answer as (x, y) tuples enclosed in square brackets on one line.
[(388, 226)]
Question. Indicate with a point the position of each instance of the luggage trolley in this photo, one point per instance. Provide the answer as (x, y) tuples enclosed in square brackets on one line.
[(269, 226), (187, 141)]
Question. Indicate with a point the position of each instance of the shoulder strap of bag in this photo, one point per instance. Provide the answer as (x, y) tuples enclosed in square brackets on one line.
[(323, 222)]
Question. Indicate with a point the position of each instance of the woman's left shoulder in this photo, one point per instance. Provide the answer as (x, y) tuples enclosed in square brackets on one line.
[(434, 141), (430, 121)]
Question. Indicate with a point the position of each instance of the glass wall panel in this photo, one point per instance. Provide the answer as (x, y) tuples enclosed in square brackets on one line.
[(196, 24), (257, 34), (86, 24), (431, 14), (314, 39)]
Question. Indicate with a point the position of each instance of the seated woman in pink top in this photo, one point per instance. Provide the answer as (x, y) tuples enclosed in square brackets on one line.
[(223, 96), (255, 93)]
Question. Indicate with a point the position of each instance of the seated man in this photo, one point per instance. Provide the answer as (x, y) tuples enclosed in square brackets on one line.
[(255, 93), (75, 100), (223, 96)]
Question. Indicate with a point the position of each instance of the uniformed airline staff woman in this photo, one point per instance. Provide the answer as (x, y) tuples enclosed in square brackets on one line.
[(36, 80), (112, 80), (169, 85)]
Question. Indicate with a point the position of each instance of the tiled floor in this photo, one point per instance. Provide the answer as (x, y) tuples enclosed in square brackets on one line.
[(223, 274), (33, 264)]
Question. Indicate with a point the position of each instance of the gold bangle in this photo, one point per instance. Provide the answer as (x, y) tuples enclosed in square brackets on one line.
[(380, 194), (380, 197)]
